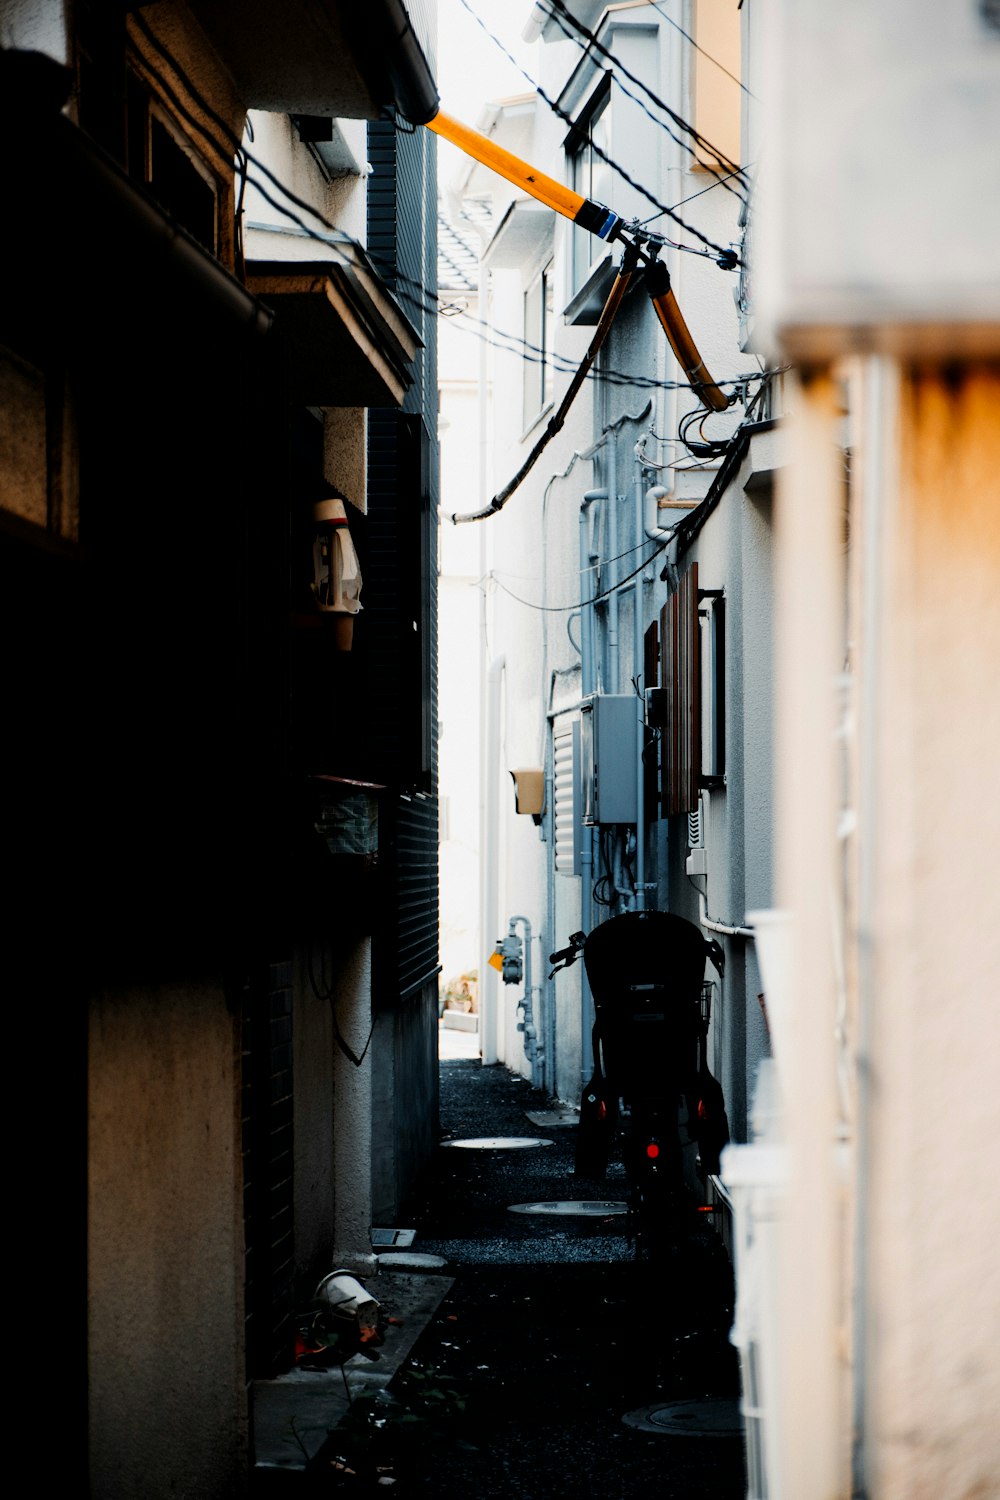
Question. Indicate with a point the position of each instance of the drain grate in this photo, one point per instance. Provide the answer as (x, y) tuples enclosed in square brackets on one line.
[(399, 1237), (500, 1143), (712, 1417), (576, 1208)]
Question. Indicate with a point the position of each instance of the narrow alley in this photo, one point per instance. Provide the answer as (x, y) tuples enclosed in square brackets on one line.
[(552, 1343)]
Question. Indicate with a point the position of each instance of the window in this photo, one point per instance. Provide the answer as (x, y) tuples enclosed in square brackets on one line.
[(162, 158), (538, 375), (587, 146), (680, 674)]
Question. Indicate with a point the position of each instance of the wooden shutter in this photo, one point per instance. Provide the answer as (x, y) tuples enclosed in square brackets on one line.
[(680, 675)]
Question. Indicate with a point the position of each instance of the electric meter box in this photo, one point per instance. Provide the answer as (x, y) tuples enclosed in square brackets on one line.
[(609, 739)]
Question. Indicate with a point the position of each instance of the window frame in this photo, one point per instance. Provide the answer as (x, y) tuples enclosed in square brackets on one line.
[(538, 328), (578, 148)]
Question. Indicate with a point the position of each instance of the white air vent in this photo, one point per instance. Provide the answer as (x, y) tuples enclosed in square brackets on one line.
[(566, 793)]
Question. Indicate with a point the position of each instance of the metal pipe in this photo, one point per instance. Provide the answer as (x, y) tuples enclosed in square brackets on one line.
[(612, 603), (587, 687), (490, 840), (533, 1050), (638, 671)]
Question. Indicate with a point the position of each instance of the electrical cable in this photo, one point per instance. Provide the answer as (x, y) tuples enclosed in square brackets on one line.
[(662, 208), (326, 992), (551, 609), (338, 236), (698, 48), (423, 302), (735, 171), (719, 182), (630, 261), (561, 15)]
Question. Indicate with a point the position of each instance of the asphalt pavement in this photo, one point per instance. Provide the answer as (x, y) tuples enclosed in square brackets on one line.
[(551, 1362)]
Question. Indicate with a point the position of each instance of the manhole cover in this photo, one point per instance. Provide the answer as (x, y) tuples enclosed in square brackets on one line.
[(499, 1143), (579, 1208), (411, 1260), (549, 1118), (713, 1417)]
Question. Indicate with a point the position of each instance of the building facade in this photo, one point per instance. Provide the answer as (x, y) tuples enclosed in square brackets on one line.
[(808, 582), (218, 365)]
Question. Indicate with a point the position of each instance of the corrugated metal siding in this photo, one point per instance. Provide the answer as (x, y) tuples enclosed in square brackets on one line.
[(680, 674), (401, 579)]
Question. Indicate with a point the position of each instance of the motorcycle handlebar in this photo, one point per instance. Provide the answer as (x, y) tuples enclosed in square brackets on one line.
[(563, 957)]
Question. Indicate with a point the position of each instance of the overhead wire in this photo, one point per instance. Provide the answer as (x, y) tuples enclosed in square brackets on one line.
[(699, 48), (622, 73), (730, 258), (561, 15), (550, 609), (416, 294), (244, 159)]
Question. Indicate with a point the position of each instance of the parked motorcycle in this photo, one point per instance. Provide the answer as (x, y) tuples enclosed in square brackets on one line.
[(651, 1091)]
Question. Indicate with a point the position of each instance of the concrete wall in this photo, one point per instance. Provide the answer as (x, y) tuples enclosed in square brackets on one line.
[(934, 1284), (167, 1392), (312, 1069)]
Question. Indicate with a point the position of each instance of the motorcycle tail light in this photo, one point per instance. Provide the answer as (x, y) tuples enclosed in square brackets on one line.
[(652, 1150)]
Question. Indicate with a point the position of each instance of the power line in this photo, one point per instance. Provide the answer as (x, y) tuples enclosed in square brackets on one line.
[(616, 63), (698, 48), (549, 609), (560, 15), (731, 260), (422, 301)]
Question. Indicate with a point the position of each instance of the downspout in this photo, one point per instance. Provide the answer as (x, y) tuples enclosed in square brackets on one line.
[(728, 929), (639, 670), (612, 605), (587, 685), (491, 863)]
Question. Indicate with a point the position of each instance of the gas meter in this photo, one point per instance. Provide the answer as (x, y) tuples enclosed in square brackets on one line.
[(509, 950)]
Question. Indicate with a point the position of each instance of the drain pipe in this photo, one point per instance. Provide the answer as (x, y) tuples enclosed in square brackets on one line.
[(587, 686), (612, 601), (489, 846), (534, 1050), (728, 929)]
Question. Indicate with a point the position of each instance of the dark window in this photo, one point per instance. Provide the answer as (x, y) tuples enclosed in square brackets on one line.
[(160, 157)]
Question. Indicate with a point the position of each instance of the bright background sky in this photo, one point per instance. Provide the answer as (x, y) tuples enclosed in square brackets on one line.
[(471, 69)]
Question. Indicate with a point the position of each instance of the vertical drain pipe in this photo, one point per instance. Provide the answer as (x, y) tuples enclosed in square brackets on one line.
[(490, 848), (587, 685), (614, 676), (638, 671)]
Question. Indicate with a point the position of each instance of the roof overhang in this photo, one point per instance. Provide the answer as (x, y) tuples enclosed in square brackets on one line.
[(322, 57), (350, 344), (524, 236)]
